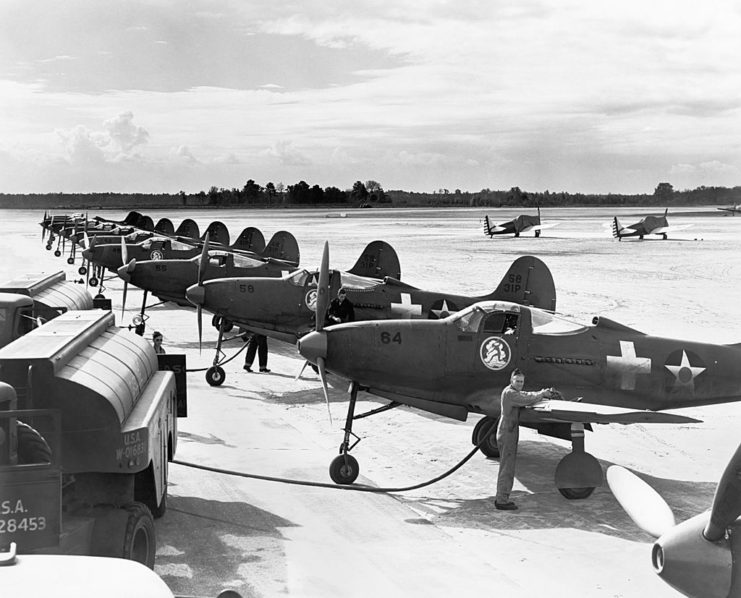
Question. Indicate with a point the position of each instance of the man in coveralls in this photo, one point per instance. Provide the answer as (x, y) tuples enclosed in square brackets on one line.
[(508, 433)]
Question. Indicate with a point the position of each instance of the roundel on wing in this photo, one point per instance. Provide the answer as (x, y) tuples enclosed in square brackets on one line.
[(310, 299), (683, 372), (441, 308), (156, 255), (495, 353)]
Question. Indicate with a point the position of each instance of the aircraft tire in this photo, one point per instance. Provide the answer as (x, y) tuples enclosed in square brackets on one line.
[(48, 247), (32, 448), (228, 325), (537, 233), (57, 253), (576, 493), (82, 270), (215, 375), (344, 469), (489, 448), (93, 282), (70, 261)]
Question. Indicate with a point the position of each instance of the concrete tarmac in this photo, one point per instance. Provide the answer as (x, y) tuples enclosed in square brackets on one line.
[(266, 539)]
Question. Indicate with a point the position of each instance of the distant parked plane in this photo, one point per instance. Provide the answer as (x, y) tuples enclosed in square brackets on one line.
[(650, 225), (522, 224), (732, 209)]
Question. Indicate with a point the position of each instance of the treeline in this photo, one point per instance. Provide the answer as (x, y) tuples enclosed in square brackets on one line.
[(367, 194)]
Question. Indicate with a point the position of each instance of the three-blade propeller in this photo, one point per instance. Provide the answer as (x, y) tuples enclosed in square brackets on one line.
[(653, 515)]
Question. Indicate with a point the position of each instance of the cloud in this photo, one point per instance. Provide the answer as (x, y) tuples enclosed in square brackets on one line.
[(82, 146), (124, 133), (287, 154)]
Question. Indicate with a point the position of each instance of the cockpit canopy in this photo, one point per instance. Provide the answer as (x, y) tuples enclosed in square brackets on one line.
[(499, 317)]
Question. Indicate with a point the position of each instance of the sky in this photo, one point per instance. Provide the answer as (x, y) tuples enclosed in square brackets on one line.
[(165, 96)]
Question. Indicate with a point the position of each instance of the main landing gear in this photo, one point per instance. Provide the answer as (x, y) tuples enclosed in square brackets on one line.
[(344, 468), (577, 474), (215, 375)]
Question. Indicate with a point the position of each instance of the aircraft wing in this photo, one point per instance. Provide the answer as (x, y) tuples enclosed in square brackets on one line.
[(546, 225), (579, 412), (666, 229)]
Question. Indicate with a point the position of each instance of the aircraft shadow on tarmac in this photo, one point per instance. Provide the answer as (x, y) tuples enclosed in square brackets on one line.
[(543, 507), (214, 540)]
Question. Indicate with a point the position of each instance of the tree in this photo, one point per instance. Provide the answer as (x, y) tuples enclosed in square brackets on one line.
[(359, 193), (334, 195), (251, 191), (270, 192), (298, 193), (664, 192)]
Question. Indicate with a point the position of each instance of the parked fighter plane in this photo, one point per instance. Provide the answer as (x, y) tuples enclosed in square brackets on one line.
[(522, 224), (700, 557), (168, 279), (284, 308), (459, 365), (733, 210), (650, 225)]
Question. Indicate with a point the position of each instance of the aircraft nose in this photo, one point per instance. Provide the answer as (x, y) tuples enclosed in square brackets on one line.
[(196, 294), (313, 345), (124, 272), (87, 254)]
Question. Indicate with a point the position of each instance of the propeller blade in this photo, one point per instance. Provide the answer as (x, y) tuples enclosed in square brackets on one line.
[(322, 294), (199, 315), (323, 377), (642, 503), (727, 501), (303, 367), (202, 261), (124, 251), (123, 301), (86, 239)]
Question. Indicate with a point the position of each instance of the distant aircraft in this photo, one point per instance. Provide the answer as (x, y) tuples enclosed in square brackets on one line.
[(458, 365), (736, 209), (522, 224), (650, 225), (700, 557)]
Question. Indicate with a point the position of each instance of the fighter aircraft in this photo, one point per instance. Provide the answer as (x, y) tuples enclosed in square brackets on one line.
[(733, 210), (700, 557), (284, 308), (650, 225), (168, 279), (458, 365), (522, 224)]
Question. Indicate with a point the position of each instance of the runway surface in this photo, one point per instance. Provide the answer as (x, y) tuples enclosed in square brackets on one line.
[(266, 539)]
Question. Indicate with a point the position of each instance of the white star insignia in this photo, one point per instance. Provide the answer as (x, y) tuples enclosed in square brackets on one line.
[(443, 310), (685, 373)]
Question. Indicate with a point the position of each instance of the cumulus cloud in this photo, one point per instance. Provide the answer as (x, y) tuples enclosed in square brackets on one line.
[(83, 146), (124, 133), (287, 154), (184, 154)]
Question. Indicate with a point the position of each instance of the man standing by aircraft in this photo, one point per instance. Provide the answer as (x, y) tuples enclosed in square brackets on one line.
[(508, 433), (341, 309)]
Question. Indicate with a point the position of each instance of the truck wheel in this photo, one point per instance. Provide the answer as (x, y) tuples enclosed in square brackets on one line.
[(139, 540), (32, 448), (215, 376)]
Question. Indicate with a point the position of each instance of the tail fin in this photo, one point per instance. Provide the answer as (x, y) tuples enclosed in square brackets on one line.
[(145, 223), (165, 227), (487, 226), (527, 282), (378, 260), (132, 218), (217, 233), (616, 228), (283, 246), (188, 228), (250, 239)]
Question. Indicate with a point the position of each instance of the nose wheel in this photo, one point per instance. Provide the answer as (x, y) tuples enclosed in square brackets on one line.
[(215, 375), (344, 469)]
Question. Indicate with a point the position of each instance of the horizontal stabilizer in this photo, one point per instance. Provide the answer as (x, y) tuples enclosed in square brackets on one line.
[(579, 412), (546, 225)]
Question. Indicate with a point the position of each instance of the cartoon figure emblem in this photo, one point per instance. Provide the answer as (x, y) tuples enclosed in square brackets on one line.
[(156, 255), (310, 299), (495, 353)]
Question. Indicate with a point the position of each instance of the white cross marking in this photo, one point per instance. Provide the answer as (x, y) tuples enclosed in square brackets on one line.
[(406, 309), (628, 365)]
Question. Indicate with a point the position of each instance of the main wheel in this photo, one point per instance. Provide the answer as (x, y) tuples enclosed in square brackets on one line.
[(344, 469), (215, 375), (139, 543), (82, 270), (57, 253), (32, 448), (70, 260), (93, 282), (483, 427), (227, 325), (576, 493)]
